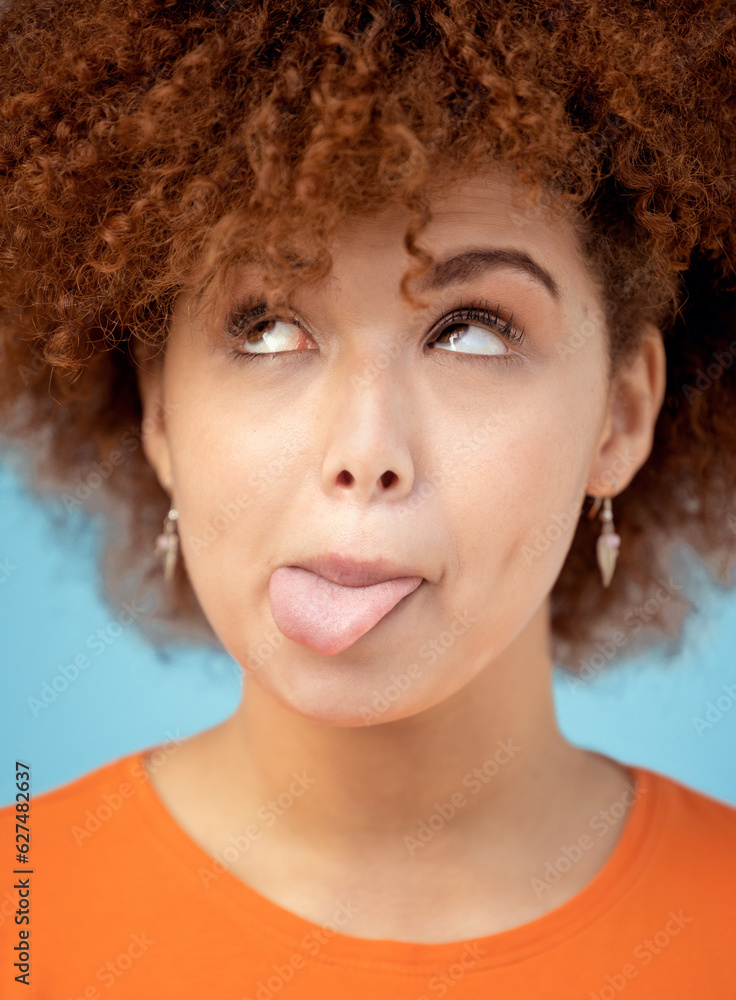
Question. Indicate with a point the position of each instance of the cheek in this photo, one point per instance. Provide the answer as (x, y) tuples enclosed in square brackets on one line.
[(222, 449), (231, 475), (518, 501)]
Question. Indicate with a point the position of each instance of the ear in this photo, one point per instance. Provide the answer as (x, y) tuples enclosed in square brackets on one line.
[(635, 402), (149, 368)]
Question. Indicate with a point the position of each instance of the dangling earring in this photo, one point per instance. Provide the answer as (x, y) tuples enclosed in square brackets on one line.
[(167, 544), (608, 543)]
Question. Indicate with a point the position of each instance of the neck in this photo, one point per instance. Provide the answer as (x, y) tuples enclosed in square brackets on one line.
[(493, 747)]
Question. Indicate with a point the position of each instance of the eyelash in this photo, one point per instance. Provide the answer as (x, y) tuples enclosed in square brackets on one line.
[(241, 324)]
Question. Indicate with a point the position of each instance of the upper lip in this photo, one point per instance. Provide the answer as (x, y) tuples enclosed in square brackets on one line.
[(353, 572)]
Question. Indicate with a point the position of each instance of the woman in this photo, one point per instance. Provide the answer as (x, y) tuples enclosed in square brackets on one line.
[(410, 304)]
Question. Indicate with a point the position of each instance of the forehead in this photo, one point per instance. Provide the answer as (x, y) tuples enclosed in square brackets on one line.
[(479, 223), (476, 224)]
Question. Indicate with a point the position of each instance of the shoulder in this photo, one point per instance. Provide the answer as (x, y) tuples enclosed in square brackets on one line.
[(104, 776), (67, 815), (693, 831), (701, 812)]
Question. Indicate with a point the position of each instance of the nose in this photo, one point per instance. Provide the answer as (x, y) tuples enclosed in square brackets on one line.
[(368, 453), (385, 482)]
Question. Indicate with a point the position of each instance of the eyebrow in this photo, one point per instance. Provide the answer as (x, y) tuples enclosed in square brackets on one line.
[(471, 263)]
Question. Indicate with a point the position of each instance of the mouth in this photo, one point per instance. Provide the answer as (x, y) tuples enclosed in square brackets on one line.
[(348, 572), (329, 616)]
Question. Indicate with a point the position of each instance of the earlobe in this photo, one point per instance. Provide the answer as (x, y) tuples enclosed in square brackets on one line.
[(657, 360), (149, 376), (636, 401)]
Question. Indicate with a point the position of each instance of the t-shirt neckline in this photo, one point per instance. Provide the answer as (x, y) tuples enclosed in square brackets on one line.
[(260, 915)]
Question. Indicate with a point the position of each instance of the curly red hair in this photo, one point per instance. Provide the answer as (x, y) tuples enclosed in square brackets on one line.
[(150, 145)]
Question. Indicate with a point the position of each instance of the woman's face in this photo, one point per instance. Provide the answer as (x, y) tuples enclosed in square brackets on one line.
[(346, 433)]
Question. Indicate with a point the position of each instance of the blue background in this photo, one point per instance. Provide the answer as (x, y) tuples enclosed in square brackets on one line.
[(641, 712)]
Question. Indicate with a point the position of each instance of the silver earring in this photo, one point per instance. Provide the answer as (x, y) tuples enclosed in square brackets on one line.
[(167, 543), (608, 543)]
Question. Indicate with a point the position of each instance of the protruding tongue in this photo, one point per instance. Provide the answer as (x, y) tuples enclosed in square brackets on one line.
[(325, 616)]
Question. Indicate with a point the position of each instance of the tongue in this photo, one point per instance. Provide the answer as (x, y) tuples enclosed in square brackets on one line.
[(325, 616)]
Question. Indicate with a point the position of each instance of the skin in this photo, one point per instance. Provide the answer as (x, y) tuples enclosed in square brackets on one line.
[(538, 433)]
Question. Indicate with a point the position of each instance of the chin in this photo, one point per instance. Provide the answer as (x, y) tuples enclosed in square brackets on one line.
[(332, 695)]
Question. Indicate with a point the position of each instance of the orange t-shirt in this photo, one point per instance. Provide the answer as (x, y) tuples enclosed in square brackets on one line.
[(123, 903)]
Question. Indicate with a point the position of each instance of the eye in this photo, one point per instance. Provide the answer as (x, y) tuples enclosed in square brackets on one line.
[(273, 337), (268, 337), (460, 332)]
